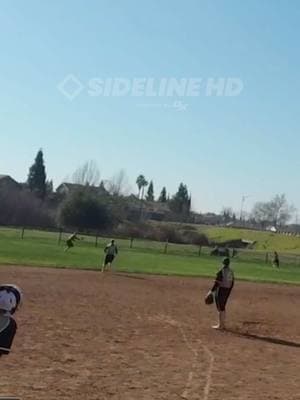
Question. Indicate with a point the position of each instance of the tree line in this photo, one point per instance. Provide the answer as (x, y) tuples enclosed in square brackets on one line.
[(98, 203)]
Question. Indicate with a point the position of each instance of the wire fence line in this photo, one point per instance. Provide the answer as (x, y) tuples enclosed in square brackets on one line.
[(60, 236)]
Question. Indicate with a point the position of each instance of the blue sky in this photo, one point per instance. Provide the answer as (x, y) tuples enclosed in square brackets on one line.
[(221, 147)]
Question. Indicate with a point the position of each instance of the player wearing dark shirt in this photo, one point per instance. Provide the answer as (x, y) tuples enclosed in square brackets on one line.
[(276, 260), (8, 329), (221, 290), (111, 250), (70, 241), (10, 299)]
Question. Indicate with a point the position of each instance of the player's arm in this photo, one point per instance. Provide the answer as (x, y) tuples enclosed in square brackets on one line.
[(116, 250), (232, 283)]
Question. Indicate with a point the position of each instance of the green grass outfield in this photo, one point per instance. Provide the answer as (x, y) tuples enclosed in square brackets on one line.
[(42, 249)]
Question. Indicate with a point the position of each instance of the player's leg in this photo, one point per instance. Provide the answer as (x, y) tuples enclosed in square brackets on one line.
[(217, 302), (69, 244), (111, 262), (221, 299), (110, 258), (105, 263)]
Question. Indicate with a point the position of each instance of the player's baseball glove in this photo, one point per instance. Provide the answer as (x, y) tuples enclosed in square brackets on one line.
[(209, 298)]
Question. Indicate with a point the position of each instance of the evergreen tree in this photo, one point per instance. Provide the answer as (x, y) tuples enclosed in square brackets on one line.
[(163, 195), (49, 187), (181, 201), (37, 176), (150, 192)]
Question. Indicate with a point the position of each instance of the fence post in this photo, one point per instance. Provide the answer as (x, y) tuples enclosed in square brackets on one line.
[(96, 241), (267, 258), (59, 235), (166, 246), (131, 243), (22, 233)]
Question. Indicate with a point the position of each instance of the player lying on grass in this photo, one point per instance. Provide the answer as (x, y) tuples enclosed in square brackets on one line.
[(111, 251), (70, 241), (221, 291), (10, 299)]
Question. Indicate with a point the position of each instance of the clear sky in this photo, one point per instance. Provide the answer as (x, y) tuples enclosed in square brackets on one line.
[(222, 147)]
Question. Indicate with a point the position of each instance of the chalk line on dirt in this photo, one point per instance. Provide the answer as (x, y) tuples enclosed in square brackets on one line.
[(196, 361), (189, 382)]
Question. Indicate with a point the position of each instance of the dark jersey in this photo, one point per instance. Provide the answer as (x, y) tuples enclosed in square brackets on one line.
[(224, 279), (7, 334), (111, 249)]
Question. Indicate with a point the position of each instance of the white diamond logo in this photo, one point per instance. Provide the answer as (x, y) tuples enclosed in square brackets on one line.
[(70, 87)]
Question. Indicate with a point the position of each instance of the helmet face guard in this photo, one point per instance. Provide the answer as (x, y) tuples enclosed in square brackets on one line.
[(10, 298)]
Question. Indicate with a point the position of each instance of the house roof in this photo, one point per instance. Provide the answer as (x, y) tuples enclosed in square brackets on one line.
[(76, 186), (4, 176)]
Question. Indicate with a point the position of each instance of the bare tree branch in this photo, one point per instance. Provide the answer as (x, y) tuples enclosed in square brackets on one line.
[(87, 174)]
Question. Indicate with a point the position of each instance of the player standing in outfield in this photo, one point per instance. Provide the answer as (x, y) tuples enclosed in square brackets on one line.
[(221, 291), (111, 250), (10, 299), (70, 241), (276, 260)]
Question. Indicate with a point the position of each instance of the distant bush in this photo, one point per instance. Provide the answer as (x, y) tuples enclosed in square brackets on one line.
[(161, 233), (23, 208), (83, 210), (197, 238), (131, 230)]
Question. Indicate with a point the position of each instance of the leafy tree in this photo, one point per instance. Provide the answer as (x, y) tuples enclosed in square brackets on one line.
[(150, 192), (181, 201), (37, 176), (163, 195), (83, 210), (141, 183), (24, 208)]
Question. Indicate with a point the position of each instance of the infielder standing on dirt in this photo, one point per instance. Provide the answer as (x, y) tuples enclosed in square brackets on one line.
[(221, 291), (111, 250)]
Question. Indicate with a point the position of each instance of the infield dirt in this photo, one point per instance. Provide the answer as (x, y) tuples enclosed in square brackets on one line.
[(87, 335)]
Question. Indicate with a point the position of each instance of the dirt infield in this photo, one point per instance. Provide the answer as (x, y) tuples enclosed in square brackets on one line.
[(85, 335)]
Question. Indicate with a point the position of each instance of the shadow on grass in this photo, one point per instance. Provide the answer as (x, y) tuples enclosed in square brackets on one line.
[(267, 339)]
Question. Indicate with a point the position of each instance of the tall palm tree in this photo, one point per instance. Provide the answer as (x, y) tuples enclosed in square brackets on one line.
[(141, 183)]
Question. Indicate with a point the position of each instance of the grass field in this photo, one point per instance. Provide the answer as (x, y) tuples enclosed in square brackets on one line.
[(264, 240), (42, 249)]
